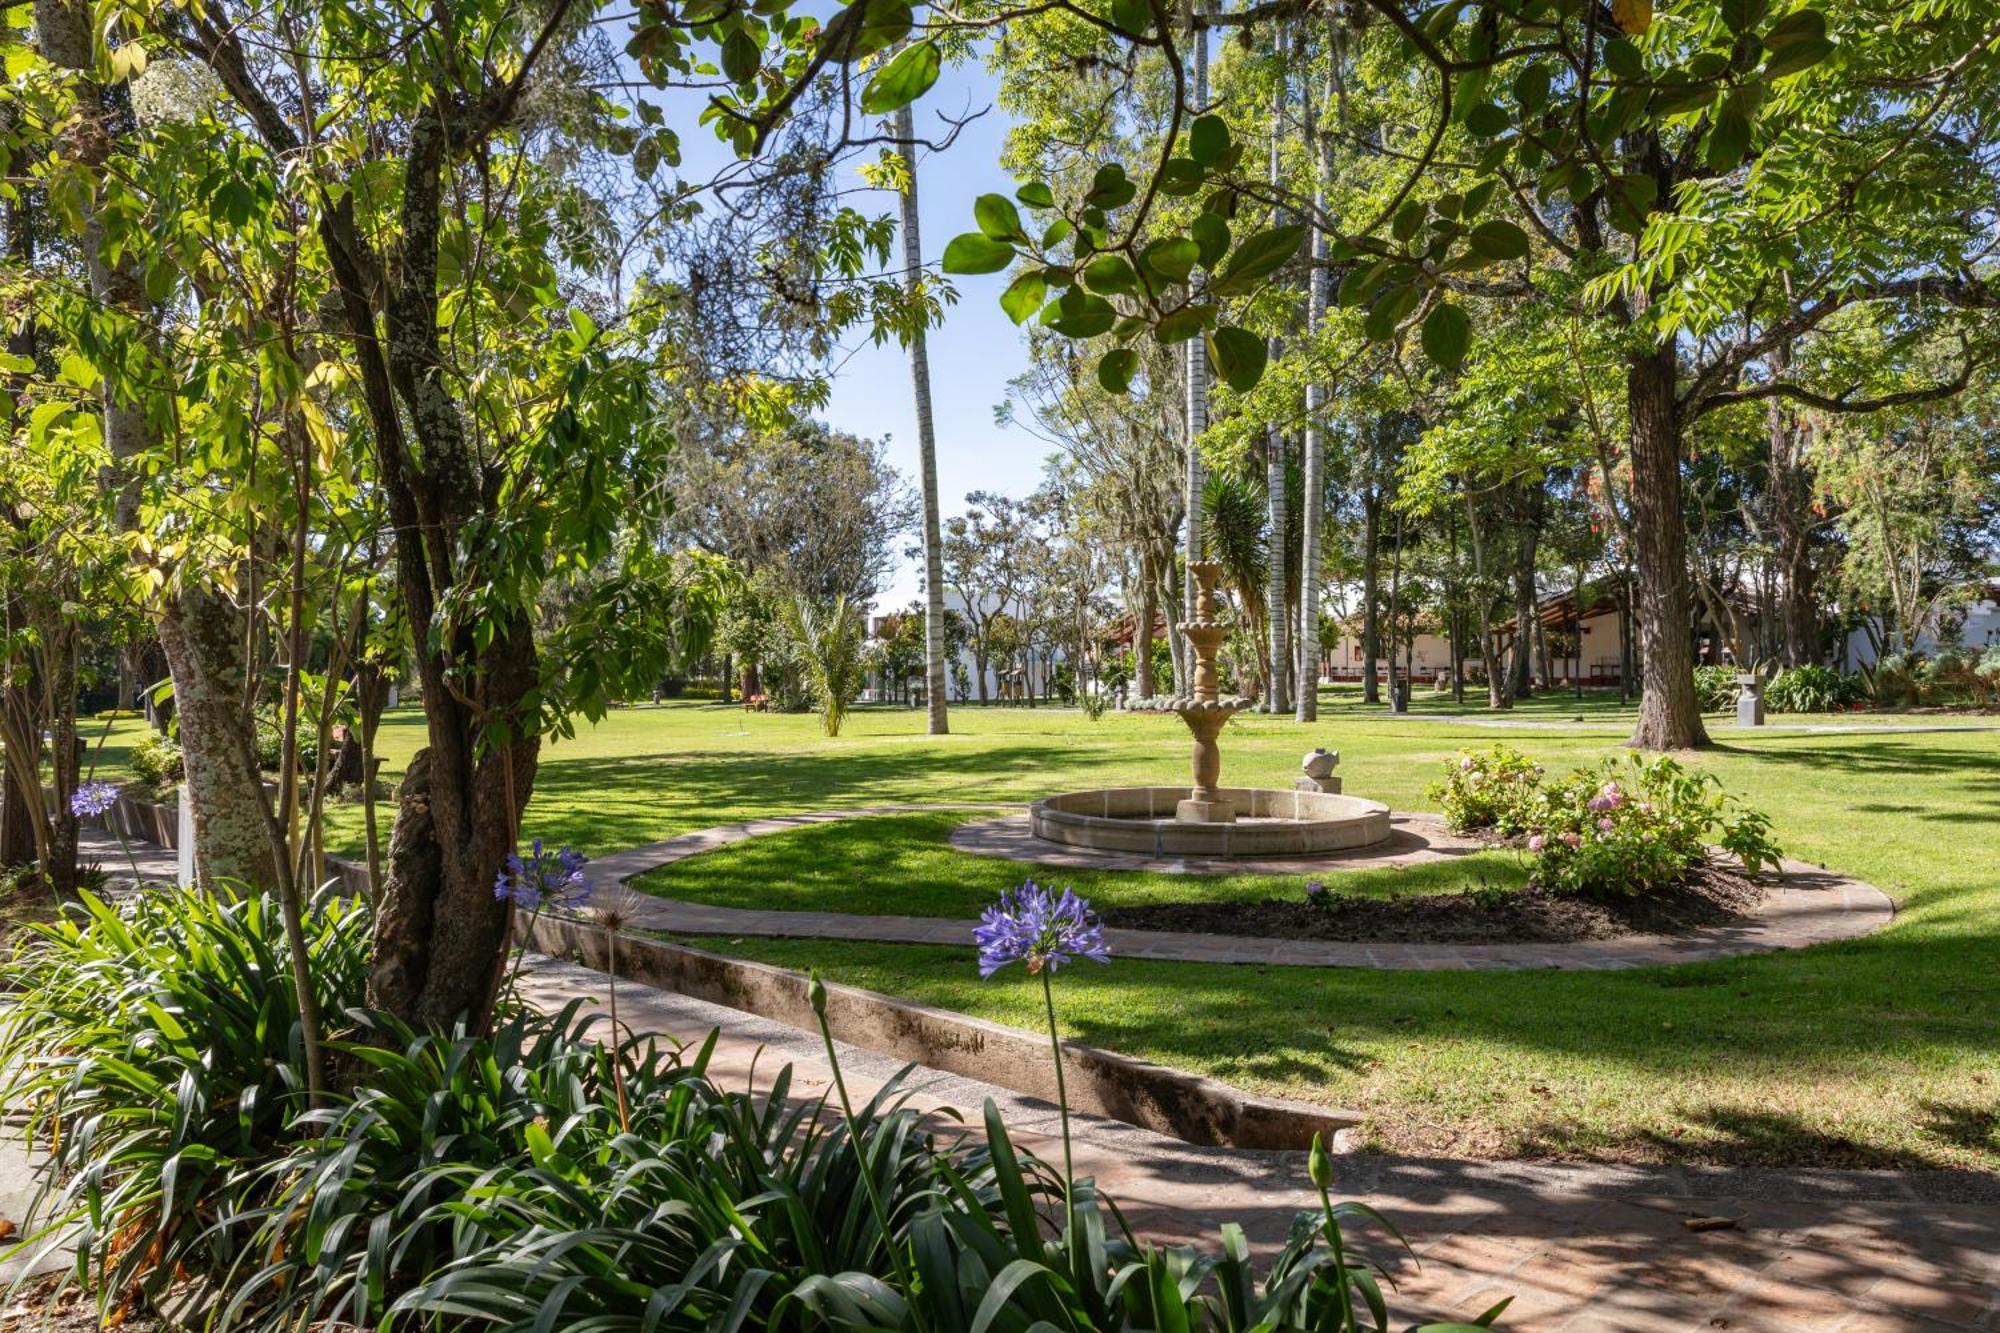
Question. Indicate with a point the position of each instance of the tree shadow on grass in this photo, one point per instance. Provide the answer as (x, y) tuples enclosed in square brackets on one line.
[(607, 804), (1864, 754)]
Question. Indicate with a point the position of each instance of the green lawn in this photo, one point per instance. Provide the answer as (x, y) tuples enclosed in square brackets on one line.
[(903, 864), (1884, 1051)]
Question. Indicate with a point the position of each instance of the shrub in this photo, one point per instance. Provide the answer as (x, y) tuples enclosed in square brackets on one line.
[(271, 746), (1634, 827), (1715, 688), (1491, 790), (1809, 689), (157, 761), (157, 1052), (534, 1179), (1895, 680)]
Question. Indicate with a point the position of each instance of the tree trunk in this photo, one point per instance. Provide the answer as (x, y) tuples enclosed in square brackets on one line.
[(1371, 591), (203, 638), (223, 800), (1791, 505), (920, 381), (1278, 648), (1669, 716), (1526, 603), (1195, 478)]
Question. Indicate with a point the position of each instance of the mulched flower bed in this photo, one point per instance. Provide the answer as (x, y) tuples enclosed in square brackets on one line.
[(1716, 895)]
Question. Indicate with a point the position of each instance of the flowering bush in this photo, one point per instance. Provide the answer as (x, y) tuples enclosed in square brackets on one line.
[(1490, 790), (1633, 827)]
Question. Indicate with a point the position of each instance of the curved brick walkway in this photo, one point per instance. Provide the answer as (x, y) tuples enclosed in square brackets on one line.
[(1808, 906)]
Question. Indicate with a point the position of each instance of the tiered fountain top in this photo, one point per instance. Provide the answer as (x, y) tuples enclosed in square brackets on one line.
[(1206, 634)]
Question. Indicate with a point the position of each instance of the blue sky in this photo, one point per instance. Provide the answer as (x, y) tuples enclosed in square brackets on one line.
[(977, 349), (972, 354)]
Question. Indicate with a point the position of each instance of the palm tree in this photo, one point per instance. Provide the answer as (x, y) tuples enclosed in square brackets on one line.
[(920, 380), (1234, 511), (829, 643)]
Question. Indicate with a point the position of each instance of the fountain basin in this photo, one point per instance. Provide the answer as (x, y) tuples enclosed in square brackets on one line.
[(1269, 822)]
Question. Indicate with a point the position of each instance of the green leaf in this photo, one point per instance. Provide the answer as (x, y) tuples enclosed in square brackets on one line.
[(1388, 312), (1632, 197), (1531, 87), (1110, 188), (1110, 274), (1675, 96), (1742, 15), (1184, 323), (1408, 219), (1798, 41), (1208, 140), (998, 217), (1211, 237), (1080, 315), (1486, 120), (1728, 140), (1360, 283), (1056, 233), (903, 80), (1446, 335), (1181, 176), (741, 56), (1172, 259), (976, 252), (1133, 17), (862, 29), (1036, 194), (1115, 369), (1258, 257), (1024, 296), (1623, 59), (1499, 239), (1477, 198), (1239, 357)]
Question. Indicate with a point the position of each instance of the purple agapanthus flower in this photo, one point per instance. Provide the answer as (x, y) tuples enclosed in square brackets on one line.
[(1042, 929), (544, 879), (93, 798)]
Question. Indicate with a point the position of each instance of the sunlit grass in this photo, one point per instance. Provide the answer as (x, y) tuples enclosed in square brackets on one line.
[(1879, 1051)]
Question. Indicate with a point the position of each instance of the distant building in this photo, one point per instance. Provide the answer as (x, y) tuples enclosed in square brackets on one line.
[(1974, 626)]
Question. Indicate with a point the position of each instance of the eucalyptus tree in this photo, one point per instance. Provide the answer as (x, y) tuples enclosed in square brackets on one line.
[(1126, 451)]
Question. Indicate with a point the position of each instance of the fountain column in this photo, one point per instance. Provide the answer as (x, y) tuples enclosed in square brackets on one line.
[(1206, 712)]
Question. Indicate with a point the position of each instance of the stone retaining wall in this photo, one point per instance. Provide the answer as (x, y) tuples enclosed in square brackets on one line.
[(1188, 1106)]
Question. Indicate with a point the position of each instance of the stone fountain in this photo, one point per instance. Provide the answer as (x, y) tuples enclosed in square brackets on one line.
[(1206, 819), (1205, 711)]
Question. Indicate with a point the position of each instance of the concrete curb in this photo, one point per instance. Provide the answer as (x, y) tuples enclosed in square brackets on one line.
[(1186, 1106)]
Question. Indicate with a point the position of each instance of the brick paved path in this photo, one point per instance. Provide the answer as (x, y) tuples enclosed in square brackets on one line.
[(1808, 906), (1581, 1248)]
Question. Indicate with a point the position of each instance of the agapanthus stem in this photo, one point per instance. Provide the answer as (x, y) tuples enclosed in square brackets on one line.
[(1062, 1109), (1062, 1088), (867, 1168)]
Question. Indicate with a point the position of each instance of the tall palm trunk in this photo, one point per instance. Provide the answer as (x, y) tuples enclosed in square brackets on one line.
[(920, 383), (1197, 398), (1314, 446), (1277, 681)]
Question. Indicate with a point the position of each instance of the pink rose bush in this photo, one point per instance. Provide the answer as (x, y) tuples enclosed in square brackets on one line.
[(1624, 827)]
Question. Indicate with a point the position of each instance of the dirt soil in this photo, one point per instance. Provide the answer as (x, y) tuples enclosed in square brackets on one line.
[(50, 1305), (1717, 894)]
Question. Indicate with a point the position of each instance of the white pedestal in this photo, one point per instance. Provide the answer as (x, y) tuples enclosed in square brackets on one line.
[(184, 840)]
